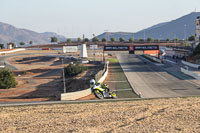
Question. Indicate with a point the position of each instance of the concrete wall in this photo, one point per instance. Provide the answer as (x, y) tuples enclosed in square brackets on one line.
[(11, 51), (80, 94), (190, 64), (190, 73)]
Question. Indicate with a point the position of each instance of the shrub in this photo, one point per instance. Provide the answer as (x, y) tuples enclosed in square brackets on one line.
[(7, 79), (197, 50), (74, 69)]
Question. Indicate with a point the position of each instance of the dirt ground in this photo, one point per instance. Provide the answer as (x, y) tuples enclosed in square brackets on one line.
[(40, 79), (37, 79), (149, 116)]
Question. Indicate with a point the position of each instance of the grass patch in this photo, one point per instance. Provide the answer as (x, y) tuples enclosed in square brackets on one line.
[(113, 60), (120, 76)]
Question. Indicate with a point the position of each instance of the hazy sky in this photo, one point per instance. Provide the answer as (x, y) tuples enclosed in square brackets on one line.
[(73, 18)]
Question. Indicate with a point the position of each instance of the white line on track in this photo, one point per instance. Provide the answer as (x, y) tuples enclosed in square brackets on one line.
[(170, 61), (115, 81)]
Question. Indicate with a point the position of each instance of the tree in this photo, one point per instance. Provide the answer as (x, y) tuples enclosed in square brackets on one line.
[(121, 39), (22, 43), (79, 39), (197, 50), (168, 39), (112, 39), (69, 40), (54, 39), (141, 40), (191, 38), (103, 40), (2, 46), (131, 40), (11, 43), (74, 69), (31, 42), (176, 39), (7, 79), (95, 39), (86, 40), (150, 39)]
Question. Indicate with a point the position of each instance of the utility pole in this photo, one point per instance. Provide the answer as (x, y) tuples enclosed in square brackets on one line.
[(144, 35), (64, 76), (106, 37), (185, 32)]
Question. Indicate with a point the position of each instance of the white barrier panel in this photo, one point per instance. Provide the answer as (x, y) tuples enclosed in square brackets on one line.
[(75, 95), (11, 51), (190, 64), (104, 76), (80, 94), (190, 73), (93, 46), (70, 49)]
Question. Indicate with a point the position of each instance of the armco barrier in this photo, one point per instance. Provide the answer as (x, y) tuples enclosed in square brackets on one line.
[(190, 64), (152, 58), (83, 93), (190, 73), (11, 51)]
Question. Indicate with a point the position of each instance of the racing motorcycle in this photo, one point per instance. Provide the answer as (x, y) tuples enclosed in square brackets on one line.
[(101, 91)]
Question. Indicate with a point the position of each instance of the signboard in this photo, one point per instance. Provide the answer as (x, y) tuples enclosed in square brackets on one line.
[(116, 48), (151, 52), (93, 46), (139, 52), (146, 47), (70, 49)]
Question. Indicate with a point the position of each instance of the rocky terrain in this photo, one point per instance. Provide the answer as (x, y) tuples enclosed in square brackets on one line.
[(158, 115)]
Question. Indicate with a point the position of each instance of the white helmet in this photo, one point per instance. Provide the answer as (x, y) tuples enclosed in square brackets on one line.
[(92, 82)]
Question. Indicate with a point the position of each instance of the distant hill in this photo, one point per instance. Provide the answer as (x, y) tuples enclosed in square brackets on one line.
[(171, 29), (116, 35), (9, 33)]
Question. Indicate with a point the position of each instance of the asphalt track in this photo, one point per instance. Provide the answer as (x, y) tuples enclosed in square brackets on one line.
[(3, 59), (151, 81)]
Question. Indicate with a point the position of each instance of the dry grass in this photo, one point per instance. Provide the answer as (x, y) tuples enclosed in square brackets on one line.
[(160, 115)]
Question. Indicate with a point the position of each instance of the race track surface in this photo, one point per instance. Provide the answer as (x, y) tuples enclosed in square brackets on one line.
[(152, 81)]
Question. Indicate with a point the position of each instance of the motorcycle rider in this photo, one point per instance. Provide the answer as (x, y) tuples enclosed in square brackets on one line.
[(92, 84), (101, 90)]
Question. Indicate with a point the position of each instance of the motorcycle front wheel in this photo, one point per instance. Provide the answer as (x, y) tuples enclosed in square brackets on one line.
[(98, 94)]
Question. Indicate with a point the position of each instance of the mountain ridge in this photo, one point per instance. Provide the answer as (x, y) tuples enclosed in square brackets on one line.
[(180, 27), (9, 33)]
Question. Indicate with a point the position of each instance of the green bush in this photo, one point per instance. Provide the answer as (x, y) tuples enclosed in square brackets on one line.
[(7, 79), (197, 50), (74, 69)]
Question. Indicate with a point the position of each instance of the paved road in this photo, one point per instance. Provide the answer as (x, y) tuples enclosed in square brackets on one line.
[(153, 81), (3, 59)]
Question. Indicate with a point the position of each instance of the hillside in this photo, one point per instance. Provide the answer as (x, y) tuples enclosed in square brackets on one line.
[(148, 116), (9, 33), (171, 29)]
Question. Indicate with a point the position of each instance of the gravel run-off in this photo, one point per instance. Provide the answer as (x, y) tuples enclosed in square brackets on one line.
[(158, 115)]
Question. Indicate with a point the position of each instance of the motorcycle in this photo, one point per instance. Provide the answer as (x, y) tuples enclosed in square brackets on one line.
[(102, 91)]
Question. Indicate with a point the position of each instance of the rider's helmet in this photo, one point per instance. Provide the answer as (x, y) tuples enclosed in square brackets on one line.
[(92, 82)]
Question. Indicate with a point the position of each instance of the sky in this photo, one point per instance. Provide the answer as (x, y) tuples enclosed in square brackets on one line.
[(73, 18)]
